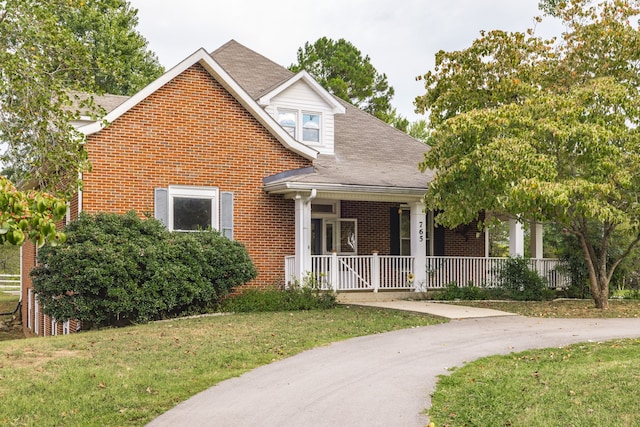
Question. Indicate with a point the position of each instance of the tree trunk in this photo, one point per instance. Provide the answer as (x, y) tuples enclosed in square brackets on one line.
[(600, 291), (598, 278)]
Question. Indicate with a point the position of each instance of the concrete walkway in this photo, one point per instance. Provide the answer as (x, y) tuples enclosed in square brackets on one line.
[(449, 311), (378, 380)]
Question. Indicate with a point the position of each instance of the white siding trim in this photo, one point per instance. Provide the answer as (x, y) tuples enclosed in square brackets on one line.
[(217, 72), (301, 97)]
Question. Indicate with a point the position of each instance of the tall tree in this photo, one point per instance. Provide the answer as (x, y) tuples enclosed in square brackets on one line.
[(121, 63), (341, 69), (544, 130), (48, 51)]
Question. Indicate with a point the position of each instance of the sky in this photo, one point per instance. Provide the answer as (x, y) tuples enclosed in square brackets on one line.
[(401, 37)]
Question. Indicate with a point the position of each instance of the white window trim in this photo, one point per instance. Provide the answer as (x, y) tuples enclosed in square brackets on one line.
[(299, 129), (337, 233), (212, 193), (320, 124), (334, 214)]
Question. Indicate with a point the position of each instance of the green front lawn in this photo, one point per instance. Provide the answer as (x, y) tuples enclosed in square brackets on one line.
[(589, 384), (128, 376)]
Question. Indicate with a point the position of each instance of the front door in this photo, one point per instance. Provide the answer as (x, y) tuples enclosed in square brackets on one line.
[(334, 235)]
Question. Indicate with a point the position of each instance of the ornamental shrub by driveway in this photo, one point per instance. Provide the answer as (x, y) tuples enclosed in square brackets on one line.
[(119, 269)]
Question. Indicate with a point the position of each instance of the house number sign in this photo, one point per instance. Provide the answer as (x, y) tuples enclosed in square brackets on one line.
[(421, 231)]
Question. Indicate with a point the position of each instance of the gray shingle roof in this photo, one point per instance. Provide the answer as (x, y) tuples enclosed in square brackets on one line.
[(107, 101), (368, 152)]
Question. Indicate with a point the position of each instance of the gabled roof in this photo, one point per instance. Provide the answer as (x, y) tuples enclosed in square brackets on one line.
[(369, 153), (217, 72), (333, 102)]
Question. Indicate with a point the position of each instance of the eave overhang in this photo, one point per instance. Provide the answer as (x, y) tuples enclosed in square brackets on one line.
[(217, 72), (347, 191)]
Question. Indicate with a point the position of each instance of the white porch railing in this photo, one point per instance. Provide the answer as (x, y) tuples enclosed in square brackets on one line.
[(347, 272), (482, 271), (384, 272)]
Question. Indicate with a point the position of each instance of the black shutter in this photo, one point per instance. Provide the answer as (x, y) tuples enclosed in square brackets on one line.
[(394, 221), (438, 238)]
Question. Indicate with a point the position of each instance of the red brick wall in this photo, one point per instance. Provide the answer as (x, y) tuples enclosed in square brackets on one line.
[(465, 240), (28, 261), (374, 229), (193, 132)]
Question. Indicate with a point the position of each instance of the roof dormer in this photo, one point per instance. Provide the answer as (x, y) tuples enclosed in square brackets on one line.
[(305, 110)]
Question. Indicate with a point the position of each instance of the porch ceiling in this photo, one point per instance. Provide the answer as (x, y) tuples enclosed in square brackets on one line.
[(348, 192)]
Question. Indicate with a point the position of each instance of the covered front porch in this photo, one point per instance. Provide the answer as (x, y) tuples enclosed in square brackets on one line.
[(376, 272), (387, 242)]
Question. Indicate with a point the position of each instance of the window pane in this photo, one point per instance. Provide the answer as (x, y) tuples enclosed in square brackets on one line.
[(348, 241), (405, 224), (405, 247), (311, 127), (328, 237), (287, 120), (192, 214)]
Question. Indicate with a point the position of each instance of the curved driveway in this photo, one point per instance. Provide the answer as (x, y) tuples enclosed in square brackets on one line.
[(377, 380)]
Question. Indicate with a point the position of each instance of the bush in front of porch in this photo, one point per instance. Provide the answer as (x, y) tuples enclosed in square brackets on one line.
[(293, 298), (515, 281)]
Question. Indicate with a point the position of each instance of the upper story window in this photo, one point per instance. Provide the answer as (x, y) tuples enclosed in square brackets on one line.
[(311, 127), (288, 120), (311, 124)]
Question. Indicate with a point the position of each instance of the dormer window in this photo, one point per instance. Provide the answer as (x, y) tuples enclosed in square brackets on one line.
[(310, 130), (311, 127), (288, 120)]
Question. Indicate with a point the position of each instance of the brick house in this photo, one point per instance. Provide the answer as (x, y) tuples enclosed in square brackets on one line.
[(308, 183)]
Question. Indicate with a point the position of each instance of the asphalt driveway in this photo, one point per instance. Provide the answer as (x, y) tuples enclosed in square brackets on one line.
[(378, 380)]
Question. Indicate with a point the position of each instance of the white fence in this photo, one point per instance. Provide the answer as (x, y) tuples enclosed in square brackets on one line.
[(10, 283), (381, 272)]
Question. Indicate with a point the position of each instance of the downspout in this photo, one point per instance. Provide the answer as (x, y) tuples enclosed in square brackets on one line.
[(311, 196), (21, 284)]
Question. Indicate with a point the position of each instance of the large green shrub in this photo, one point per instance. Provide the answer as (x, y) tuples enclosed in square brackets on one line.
[(119, 269), (521, 283)]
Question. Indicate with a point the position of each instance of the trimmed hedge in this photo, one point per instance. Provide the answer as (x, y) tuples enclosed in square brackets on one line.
[(119, 269)]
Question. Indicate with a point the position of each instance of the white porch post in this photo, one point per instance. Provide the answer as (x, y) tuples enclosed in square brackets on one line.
[(516, 238), (536, 240), (419, 245), (303, 235)]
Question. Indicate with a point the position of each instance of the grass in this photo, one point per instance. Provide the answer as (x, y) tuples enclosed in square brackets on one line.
[(8, 304), (579, 385), (589, 384), (563, 308), (128, 376)]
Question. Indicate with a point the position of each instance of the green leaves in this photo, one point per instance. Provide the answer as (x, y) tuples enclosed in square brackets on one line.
[(50, 50), (118, 269), (340, 68), (29, 215), (543, 130)]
